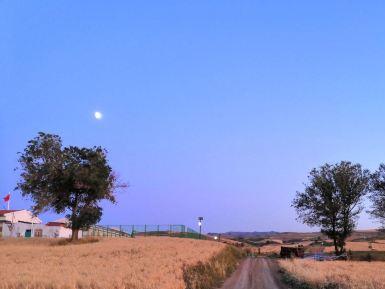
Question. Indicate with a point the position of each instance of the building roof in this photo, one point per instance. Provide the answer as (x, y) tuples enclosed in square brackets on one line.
[(19, 216), (61, 220), (2, 212), (55, 224)]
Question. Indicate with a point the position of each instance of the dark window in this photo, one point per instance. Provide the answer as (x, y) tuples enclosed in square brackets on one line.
[(38, 233)]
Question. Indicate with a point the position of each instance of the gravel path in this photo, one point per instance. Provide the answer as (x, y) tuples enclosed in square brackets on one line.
[(255, 273)]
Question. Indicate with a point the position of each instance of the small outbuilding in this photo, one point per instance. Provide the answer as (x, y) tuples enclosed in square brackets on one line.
[(292, 251), (58, 229)]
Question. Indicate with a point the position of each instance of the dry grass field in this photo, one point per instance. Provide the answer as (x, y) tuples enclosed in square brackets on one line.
[(140, 263), (276, 248), (361, 246), (270, 249), (348, 275)]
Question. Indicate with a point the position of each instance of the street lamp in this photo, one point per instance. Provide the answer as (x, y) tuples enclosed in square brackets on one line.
[(200, 219)]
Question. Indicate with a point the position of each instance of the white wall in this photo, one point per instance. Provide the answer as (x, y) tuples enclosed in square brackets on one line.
[(56, 232), (48, 231), (19, 229)]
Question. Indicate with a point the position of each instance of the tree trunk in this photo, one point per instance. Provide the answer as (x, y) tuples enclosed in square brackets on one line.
[(75, 234), (335, 245), (341, 250), (341, 246), (75, 231)]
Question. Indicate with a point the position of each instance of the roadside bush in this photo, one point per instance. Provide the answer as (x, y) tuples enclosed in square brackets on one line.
[(64, 242), (211, 274)]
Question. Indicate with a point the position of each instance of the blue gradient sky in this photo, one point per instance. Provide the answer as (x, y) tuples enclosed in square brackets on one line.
[(211, 108)]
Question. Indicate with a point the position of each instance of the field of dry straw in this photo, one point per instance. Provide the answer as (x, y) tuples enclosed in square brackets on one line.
[(361, 246), (140, 263), (346, 275)]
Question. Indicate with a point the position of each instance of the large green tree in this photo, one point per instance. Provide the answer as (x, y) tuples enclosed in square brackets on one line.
[(377, 195), (69, 180), (332, 200)]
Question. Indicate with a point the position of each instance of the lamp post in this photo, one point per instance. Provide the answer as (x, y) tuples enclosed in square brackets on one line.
[(200, 219)]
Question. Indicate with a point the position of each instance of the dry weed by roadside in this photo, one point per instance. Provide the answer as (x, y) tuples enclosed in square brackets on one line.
[(210, 274)]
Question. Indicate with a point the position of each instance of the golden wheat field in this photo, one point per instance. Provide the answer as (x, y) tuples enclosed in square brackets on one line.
[(270, 249), (276, 248), (348, 275), (139, 263), (360, 246)]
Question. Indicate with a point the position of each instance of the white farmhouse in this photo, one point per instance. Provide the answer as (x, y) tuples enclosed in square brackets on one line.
[(19, 223), (22, 223)]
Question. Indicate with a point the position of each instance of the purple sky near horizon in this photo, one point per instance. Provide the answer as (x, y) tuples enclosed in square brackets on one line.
[(211, 108)]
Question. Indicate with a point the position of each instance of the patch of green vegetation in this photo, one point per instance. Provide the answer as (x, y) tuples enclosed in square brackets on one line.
[(211, 274), (191, 236), (322, 243), (373, 239), (293, 241), (256, 239)]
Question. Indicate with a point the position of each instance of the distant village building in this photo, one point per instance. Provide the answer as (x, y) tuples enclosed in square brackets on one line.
[(22, 223)]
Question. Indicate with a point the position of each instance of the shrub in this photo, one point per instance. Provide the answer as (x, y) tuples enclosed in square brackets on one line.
[(64, 242)]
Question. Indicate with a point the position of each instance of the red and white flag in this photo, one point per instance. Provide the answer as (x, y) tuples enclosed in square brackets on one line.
[(7, 198)]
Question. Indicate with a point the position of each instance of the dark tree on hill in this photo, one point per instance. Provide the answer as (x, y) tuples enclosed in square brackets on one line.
[(332, 200), (69, 180), (377, 195)]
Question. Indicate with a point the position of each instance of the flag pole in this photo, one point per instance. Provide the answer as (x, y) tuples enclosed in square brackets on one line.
[(9, 200)]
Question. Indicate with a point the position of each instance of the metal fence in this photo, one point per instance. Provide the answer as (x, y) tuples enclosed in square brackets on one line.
[(181, 231)]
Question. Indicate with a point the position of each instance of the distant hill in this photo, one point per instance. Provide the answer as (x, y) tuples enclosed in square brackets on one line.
[(247, 234)]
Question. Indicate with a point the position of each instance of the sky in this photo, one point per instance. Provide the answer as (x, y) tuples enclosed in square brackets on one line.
[(210, 108)]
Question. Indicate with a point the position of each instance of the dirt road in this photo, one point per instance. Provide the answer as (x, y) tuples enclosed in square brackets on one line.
[(255, 273)]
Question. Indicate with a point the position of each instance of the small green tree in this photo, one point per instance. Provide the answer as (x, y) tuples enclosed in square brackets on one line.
[(377, 195), (332, 200), (69, 180)]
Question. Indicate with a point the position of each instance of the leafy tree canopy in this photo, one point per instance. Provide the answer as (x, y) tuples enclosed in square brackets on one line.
[(377, 195), (332, 200), (69, 180)]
